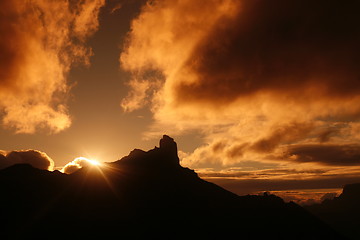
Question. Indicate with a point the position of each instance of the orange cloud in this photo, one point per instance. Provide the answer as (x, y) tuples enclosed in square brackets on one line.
[(40, 41), (165, 34), (255, 77), (35, 158)]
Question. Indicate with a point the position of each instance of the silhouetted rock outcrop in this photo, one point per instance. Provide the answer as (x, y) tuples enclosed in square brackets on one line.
[(351, 192), (168, 148), (143, 195), (163, 158)]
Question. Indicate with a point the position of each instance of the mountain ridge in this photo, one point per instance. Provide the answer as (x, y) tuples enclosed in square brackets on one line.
[(342, 212), (144, 194)]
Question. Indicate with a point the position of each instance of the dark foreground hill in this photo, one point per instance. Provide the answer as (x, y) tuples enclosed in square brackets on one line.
[(343, 212), (145, 195)]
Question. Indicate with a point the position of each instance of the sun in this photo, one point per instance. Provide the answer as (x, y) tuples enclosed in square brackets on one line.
[(90, 161), (93, 162)]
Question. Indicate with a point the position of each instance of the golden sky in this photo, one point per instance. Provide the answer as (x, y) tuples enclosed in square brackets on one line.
[(258, 92)]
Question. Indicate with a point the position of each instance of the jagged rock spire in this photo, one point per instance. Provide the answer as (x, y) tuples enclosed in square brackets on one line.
[(163, 157), (169, 148)]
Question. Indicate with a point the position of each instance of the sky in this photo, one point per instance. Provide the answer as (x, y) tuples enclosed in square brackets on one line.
[(259, 95)]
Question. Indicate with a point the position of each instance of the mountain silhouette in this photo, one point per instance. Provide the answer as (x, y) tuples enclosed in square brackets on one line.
[(143, 195), (342, 212)]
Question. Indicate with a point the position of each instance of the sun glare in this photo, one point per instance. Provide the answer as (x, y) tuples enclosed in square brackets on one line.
[(91, 161)]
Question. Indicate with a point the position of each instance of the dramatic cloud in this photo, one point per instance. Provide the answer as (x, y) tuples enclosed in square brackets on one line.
[(327, 154), (164, 34), (261, 79), (40, 41), (35, 158)]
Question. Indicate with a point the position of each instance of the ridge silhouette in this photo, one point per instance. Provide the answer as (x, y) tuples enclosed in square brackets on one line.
[(143, 195), (342, 212)]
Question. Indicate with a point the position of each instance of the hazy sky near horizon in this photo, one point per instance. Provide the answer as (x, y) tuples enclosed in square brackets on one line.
[(250, 90)]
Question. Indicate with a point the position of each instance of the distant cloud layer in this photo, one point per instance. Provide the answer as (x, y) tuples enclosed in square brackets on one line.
[(35, 158), (40, 41), (268, 81)]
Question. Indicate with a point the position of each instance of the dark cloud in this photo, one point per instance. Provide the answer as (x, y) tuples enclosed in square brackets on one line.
[(278, 47), (284, 133), (237, 150), (255, 77), (329, 154), (33, 157), (327, 134), (296, 58), (218, 146)]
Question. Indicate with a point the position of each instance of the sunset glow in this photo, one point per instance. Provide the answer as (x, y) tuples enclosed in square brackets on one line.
[(91, 161), (79, 163), (259, 95), (135, 116)]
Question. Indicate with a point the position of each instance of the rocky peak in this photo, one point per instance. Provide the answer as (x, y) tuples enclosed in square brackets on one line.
[(168, 144), (169, 149), (163, 157), (351, 191)]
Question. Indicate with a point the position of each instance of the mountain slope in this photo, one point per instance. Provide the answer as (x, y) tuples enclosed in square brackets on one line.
[(143, 195), (342, 212)]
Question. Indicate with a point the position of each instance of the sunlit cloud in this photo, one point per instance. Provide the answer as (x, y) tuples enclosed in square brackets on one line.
[(267, 82), (40, 41)]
